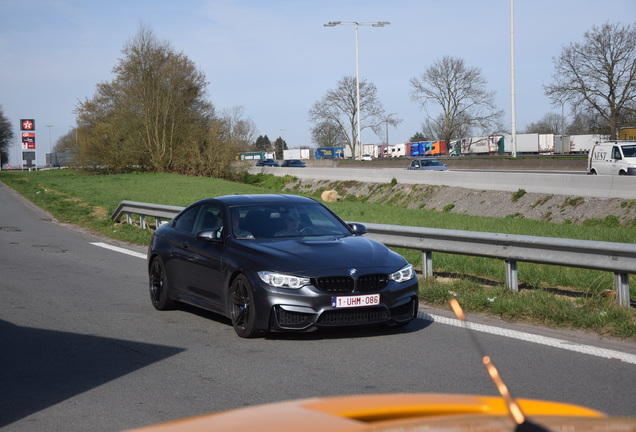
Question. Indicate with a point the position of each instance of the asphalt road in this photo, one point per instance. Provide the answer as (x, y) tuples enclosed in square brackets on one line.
[(83, 349)]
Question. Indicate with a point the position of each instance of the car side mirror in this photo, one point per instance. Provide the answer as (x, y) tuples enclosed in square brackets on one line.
[(209, 235), (358, 228)]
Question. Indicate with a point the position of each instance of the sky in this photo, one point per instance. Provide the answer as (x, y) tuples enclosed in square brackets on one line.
[(275, 59)]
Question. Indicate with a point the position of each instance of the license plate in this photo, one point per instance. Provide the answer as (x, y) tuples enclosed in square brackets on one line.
[(355, 301)]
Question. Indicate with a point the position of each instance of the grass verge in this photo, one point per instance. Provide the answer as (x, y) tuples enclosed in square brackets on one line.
[(550, 295)]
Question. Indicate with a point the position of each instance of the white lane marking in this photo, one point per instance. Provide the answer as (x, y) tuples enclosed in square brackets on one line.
[(529, 337), (499, 331), (120, 250)]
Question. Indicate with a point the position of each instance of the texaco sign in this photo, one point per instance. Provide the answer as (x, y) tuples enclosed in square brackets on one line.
[(27, 124)]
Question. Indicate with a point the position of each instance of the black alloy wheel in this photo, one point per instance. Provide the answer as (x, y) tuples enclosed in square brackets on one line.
[(242, 311), (159, 291)]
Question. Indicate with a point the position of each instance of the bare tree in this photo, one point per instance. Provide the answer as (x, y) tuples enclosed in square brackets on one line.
[(550, 123), (339, 108), (418, 137), (241, 130), (328, 134), (460, 93), (587, 122), (599, 74)]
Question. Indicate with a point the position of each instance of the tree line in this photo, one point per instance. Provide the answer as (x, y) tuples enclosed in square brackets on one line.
[(154, 115), (596, 78)]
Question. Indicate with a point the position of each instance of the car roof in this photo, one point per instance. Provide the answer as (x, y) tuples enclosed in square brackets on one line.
[(232, 200)]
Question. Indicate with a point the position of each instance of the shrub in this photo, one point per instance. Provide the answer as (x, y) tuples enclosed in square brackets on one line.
[(517, 195)]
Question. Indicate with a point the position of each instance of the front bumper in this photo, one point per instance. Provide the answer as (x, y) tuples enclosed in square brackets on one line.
[(307, 308)]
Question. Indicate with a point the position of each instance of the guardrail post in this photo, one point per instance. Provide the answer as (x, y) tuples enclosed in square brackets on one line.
[(512, 277), (142, 221), (621, 287), (427, 264), (128, 218)]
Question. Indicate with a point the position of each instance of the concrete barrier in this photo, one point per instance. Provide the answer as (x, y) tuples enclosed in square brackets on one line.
[(599, 186)]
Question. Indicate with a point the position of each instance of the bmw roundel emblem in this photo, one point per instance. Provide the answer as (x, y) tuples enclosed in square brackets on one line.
[(353, 271)]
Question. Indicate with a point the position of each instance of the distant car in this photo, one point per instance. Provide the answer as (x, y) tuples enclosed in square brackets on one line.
[(278, 262), (267, 162), (366, 157), (427, 164), (293, 163)]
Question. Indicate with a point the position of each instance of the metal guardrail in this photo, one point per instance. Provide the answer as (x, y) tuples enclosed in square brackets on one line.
[(160, 213), (619, 258)]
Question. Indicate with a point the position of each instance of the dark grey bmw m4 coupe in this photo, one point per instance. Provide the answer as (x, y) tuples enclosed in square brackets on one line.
[(278, 263)]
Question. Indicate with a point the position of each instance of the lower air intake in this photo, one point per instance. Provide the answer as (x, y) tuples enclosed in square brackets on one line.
[(353, 316)]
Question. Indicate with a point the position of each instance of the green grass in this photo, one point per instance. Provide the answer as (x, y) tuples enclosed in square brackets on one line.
[(550, 295)]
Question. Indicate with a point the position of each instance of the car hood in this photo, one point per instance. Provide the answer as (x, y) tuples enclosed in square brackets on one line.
[(318, 256), (398, 411)]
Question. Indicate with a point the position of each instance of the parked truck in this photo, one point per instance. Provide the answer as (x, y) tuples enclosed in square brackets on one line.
[(296, 153), (532, 143), (256, 155), (398, 150), (333, 152), (479, 145), (370, 149), (418, 149), (437, 148), (564, 144)]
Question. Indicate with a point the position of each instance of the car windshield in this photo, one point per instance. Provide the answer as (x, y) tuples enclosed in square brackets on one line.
[(276, 221)]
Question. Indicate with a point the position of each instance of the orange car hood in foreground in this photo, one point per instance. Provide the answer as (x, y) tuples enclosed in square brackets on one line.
[(397, 412)]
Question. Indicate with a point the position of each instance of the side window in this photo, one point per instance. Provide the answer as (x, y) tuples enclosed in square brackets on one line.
[(209, 218), (199, 218), (187, 219), (616, 153)]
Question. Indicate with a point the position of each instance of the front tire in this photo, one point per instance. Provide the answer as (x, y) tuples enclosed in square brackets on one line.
[(242, 310), (159, 288)]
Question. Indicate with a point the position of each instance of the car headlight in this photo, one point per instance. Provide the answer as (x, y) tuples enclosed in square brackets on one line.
[(406, 273), (280, 280)]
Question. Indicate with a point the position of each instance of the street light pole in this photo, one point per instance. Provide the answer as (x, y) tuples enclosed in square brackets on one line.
[(357, 24), (50, 147), (386, 124), (513, 109)]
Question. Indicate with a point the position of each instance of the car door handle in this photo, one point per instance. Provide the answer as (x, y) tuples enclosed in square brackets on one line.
[(185, 245)]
